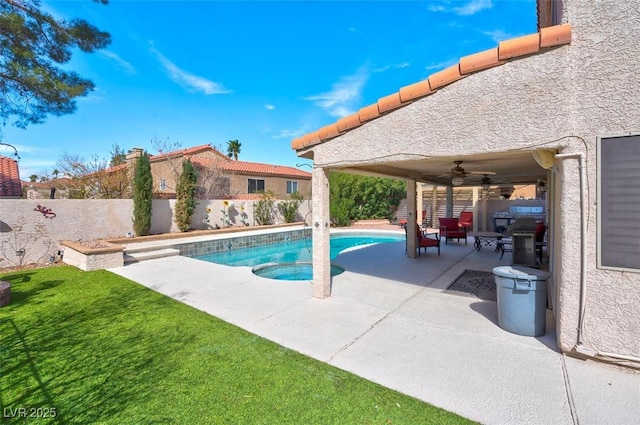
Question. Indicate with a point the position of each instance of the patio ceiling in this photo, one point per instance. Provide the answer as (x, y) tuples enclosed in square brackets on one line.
[(510, 168)]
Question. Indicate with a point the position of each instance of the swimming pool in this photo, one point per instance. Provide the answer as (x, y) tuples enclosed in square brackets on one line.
[(294, 251)]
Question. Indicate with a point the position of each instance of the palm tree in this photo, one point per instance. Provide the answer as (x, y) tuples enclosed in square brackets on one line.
[(33, 178), (55, 173), (233, 148)]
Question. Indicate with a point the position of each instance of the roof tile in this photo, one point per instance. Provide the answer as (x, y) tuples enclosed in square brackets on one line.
[(388, 103), (369, 112), (480, 61), (555, 36), (329, 132), (252, 168), (415, 90), (520, 46), (444, 77), (10, 184), (348, 122)]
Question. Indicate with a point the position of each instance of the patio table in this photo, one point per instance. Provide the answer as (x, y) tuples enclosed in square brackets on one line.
[(489, 238)]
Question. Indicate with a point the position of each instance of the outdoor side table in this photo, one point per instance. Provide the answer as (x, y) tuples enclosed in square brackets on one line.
[(488, 238)]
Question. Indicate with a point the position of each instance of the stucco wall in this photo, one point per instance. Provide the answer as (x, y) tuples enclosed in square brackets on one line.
[(88, 219), (239, 184), (563, 99)]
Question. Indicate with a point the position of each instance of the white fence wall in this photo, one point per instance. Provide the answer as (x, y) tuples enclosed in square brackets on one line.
[(88, 219)]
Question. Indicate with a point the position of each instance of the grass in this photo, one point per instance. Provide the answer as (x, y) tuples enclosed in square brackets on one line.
[(99, 348)]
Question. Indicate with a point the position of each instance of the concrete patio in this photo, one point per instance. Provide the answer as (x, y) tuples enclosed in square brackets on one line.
[(389, 320)]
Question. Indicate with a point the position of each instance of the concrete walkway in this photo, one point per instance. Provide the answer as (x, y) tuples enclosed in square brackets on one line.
[(389, 320)]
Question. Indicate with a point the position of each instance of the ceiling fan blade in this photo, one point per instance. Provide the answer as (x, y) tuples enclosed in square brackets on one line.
[(488, 173)]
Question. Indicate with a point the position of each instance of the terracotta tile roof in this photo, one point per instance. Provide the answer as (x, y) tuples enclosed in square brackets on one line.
[(188, 152), (546, 38), (10, 184), (57, 183), (250, 168)]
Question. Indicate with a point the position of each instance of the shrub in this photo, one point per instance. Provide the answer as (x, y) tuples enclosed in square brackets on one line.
[(142, 196), (263, 210), (186, 196), (289, 209)]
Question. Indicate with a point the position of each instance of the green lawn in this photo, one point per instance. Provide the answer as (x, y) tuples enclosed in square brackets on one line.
[(99, 348)]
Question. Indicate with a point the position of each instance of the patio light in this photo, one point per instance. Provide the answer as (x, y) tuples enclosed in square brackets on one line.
[(485, 183), (457, 181)]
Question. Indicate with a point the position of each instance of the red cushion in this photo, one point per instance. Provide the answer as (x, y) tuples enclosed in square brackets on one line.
[(540, 230)]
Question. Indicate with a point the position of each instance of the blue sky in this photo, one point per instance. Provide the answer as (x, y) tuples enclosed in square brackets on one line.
[(262, 72)]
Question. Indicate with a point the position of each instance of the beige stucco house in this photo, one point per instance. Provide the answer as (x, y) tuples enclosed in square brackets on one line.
[(560, 105), (222, 177)]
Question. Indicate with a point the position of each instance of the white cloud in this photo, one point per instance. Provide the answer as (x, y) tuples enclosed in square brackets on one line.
[(441, 65), (469, 8), (498, 35), (393, 66), (187, 79), (128, 68), (473, 7), (289, 134), (269, 107), (344, 95)]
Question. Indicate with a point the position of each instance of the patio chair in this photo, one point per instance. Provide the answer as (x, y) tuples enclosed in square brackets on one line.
[(541, 229), (424, 241), (450, 229), (466, 219)]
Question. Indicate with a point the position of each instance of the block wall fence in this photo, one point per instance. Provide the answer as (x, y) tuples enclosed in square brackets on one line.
[(21, 225)]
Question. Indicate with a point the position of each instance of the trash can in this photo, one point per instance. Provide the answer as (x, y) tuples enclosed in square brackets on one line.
[(522, 299)]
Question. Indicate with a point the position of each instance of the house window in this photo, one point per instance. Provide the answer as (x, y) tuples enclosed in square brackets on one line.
[(163, 184), (619, 203), (292, 186), (255, 185)]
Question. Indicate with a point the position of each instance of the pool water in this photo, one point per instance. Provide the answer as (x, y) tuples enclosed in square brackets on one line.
[(292, 251), (291, 271)]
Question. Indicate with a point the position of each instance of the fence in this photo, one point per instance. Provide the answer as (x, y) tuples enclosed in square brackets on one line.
[(31, 229)]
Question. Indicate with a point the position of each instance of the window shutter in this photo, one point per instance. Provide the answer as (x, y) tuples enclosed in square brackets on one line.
[(619, 196)]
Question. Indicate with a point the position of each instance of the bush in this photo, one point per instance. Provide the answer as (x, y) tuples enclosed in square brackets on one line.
[(186, 196), (289, 209), (263, 210), (142, 196)]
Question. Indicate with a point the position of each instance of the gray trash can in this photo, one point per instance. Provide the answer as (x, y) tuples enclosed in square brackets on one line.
[(522, 299)]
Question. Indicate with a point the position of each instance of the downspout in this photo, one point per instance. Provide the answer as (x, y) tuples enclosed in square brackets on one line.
[(579, 347), (583, 238)]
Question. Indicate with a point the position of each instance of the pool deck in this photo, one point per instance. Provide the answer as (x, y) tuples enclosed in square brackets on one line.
[(390, 320)]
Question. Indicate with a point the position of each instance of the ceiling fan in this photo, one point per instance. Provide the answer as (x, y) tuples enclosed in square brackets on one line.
[(458, 174)]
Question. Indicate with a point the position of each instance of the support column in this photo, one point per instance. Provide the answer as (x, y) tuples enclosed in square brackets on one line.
[(449, 201), (320, 231), (411, 219), (419, 206)]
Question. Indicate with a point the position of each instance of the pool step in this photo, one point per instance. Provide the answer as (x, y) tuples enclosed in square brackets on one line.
[(139, 255)]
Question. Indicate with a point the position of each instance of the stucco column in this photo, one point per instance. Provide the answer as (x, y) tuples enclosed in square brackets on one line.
[(449, 201), (411, 219), (320, 232), (419, 207)]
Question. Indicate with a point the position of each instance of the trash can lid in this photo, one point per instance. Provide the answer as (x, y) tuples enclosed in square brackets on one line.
[(519, 272)]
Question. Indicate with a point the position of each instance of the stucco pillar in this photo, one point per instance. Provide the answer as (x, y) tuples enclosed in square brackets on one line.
[(320, 231), (411, 218), (449, 201), (419, 207)]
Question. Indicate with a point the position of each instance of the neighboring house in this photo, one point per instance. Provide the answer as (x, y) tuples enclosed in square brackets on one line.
[(10, 184), (558, 106), (222, 177), (57, 188)]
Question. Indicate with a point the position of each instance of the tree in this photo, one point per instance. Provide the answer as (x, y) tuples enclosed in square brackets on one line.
[(186, 196), (34, 48), (95, 178), (142, 196), (55, 173), (33, 178), (233, 149), (355, 197), (118, 155)]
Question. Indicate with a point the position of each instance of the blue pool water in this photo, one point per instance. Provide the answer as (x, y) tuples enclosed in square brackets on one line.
[(292, 251)]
